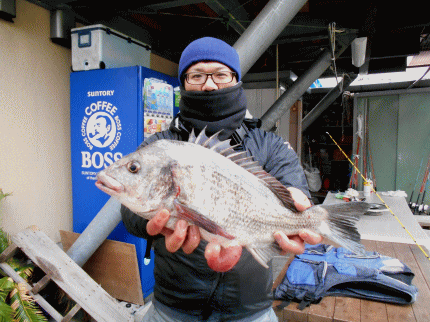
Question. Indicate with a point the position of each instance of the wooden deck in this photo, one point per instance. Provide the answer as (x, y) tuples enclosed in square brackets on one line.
[(358, 310)]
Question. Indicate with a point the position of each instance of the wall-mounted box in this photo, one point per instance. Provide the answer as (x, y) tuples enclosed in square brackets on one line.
[(7, 10)]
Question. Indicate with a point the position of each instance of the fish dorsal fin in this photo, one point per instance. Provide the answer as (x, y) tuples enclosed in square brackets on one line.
[(212, 143), (277, 188), (245, 160)]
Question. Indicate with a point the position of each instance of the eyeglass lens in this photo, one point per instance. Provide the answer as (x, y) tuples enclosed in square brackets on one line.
[(223, 77)]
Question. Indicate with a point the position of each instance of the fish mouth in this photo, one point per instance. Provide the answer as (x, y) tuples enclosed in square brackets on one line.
[(109, 185)]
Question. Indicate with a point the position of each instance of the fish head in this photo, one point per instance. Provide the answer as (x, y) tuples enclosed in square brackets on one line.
[(142, 181)]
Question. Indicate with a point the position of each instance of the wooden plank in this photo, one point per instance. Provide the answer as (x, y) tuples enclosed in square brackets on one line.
[(8, 253), (399, 313), (71, 313), (369, 245), (323, 311), (423, 263), (37, 297), (70, 277), (372, 311), (420, 307), (347, 309), (293, 314), (395, 313), (385, 248), (114, 266), (41, 284), (279, 313)]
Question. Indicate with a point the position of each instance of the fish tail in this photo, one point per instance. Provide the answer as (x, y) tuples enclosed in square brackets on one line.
[(340, 225)]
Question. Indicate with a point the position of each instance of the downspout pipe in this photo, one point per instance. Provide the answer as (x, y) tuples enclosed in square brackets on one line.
[(264, 29), (295, 91), (96, 232), (327, 100)]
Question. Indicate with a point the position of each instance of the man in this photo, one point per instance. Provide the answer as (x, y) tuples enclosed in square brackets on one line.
[(196, 280)]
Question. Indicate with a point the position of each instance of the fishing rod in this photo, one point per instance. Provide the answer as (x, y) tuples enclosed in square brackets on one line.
[(423, 184), (372, 174), (365, 145), (421, 206), (354, 177), (415, 186), (413, 205), (385, 204)]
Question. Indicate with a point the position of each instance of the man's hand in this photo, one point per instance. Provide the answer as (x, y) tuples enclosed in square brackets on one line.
[(296, 243), (222, 259), (187, 237)]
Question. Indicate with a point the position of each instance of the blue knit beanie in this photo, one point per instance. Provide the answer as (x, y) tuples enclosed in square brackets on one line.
[(209, 49)]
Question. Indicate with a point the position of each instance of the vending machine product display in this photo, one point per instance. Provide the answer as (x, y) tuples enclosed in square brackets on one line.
[(112, 111)]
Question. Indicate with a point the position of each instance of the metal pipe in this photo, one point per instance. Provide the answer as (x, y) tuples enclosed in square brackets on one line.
[(327, 100), (295, 91), (97, 231), (264, 29)]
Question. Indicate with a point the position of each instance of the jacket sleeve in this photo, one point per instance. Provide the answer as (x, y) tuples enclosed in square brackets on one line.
[(135, 224), (277, 158)]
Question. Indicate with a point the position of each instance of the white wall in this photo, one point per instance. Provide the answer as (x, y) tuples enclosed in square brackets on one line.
[(35, 162), (34, 124)]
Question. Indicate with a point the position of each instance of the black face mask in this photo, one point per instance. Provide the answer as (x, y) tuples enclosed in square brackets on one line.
[(222, 109)]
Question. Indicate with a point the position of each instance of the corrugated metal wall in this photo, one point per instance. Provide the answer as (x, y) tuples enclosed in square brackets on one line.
[(399, 137)]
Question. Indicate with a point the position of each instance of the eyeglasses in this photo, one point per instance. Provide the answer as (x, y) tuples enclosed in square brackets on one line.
[(222, 77)]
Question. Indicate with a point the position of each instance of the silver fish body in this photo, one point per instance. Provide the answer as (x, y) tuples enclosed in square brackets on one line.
[(224, 192)]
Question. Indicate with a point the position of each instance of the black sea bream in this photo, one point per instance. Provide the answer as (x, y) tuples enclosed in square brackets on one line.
[(224, 192)]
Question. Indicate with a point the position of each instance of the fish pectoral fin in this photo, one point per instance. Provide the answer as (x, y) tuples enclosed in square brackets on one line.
[(193, 216), (263, 255)]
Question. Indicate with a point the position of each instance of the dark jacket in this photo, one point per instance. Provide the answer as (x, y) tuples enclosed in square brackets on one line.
[(185, 282)]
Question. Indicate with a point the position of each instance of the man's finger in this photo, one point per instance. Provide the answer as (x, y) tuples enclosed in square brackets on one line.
[(156, 224), (175, 240), (310, 237), (222, 259), (192, 240), (301, 201), (294, 244)]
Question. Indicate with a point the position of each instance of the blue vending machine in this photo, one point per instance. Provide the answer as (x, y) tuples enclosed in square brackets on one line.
[(112, 111)]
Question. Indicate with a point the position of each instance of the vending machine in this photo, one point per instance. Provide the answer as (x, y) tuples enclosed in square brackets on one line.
[(112, 111)]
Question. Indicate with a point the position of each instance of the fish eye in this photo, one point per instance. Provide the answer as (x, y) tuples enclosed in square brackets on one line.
[(133, 167)]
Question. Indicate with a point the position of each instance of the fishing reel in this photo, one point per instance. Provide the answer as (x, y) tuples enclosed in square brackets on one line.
[(419, 209)]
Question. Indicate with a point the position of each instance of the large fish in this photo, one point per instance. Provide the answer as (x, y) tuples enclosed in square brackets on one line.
[(224, 192)]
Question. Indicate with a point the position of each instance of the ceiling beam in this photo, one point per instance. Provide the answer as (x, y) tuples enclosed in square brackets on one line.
[(232, 12), (170, 4)]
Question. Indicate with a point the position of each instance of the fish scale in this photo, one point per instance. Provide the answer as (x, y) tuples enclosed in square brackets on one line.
[(224, 192)]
